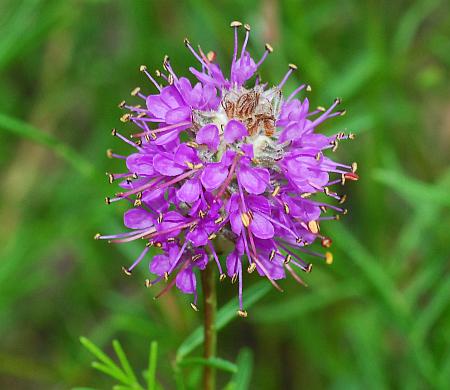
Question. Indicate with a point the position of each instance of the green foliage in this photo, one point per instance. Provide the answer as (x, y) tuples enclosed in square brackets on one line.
[(377, 318), (124, 373)]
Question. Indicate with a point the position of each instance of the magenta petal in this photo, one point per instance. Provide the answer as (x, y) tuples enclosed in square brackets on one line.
[(209, 136), (171, 97), (232, 263), (236, 223), (185, 154), (142, 164), (189, 191), (159, 265), (261, 227), (165, 166), (167, 138), (254, 180), (137, 219), (234, 130), (156, 106), (177, 115), (198, 237), (186, 281), (274, 268), (213, 176), (292, 131), (248, 150)]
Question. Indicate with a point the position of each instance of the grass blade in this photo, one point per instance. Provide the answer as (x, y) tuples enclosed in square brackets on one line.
[(245, 367), (30, 132), (117, 374), (124, 360)]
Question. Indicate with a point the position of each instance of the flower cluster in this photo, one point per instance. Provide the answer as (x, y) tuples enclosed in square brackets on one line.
[(227, 160)]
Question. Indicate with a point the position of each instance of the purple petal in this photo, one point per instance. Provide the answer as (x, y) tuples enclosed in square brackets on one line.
[(254, 180), (213, 176), (228, 157), (261, 227), (189, 191), (177, 115), (186, 281), (234, 130), (202, 261), (236, 222), (159, 265), (232, 263), (167, 137), (258, 203), (142, 164), (165, 166), (156, 106), (292, 131), (199, 237), (209, 135), (184, 85), (248, 150), (137, 219), (172, 97), (155, 199), (274, 268), (196, 95), (185, 154)]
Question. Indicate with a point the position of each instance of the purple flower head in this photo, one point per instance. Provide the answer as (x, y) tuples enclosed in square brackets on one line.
[(227, 159)]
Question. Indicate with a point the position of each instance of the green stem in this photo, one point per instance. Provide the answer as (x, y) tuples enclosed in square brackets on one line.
[(210, 331)]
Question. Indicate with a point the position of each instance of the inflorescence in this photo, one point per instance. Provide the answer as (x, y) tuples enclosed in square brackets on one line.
[(227, 160)]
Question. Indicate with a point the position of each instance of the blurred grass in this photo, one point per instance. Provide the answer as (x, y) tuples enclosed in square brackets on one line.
[(378, 318)]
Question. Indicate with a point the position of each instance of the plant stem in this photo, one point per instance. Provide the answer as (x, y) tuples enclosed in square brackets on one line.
[(210, 308)]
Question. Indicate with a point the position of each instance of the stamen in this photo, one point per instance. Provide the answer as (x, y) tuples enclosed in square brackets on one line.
[(126, 271), (326, 242), (296, 91), (111, 154), (235, 25), (295, 276), (292, 67), (143, 68), (267, 51), (188, 45), (139, 259), (216, 258), (247, 33), (326, 114), (124, 139)]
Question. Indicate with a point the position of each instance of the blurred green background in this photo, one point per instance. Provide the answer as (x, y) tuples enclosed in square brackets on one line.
[(379, 317)]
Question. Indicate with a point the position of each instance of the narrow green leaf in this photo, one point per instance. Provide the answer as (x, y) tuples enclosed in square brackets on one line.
[(372, 270), (119, 375), (224, 316), (413, 190), (410, 23), (289, 309), (428, 316), (97, 352), (30, 132), (123, 360), (245, 367), (218, 363), (152, 360)]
